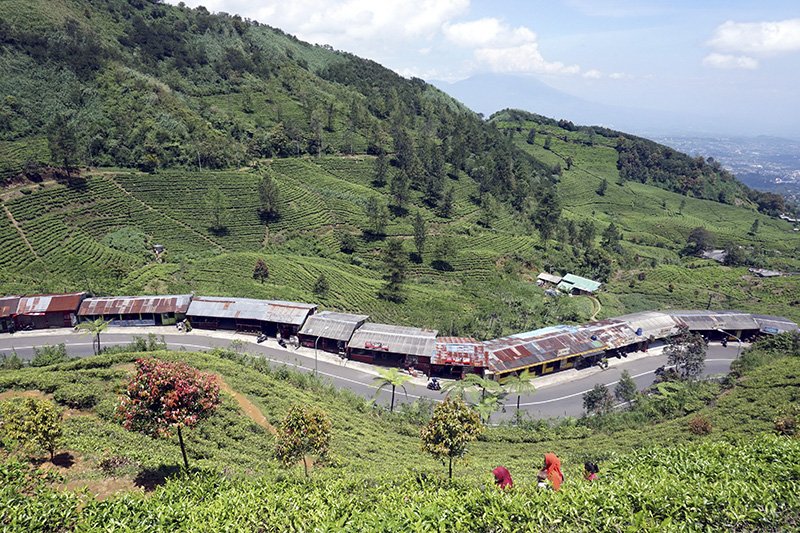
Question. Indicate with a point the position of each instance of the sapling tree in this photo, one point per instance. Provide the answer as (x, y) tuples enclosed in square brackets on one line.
[(391, 377), (304, 431), (519, 384), (95, 327), (32, 423), (451, 428), (167, 395), (261, 271), (598, 400), (626, 389)]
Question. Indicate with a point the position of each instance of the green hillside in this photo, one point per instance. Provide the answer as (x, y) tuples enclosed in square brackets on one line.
[(377, 478), (167, 105)]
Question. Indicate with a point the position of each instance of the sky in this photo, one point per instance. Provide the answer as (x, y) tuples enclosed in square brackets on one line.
[(738, 61)]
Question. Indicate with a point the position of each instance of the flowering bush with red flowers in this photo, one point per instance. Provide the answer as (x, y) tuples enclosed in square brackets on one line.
[(164, 395)]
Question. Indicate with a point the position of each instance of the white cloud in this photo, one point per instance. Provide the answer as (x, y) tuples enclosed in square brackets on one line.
[(728, 61), (485, 32), (525, 58), (757, 37), (593, 74), (343, 22)]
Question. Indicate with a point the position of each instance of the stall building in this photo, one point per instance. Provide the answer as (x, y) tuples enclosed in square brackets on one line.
[(8, 309), (331, 331), (389, 345), (716, 325), (457, 356), (773, 325), (136, 310), (572, 284), (544, 350), (650, 326), (248, 315), (44, 311)]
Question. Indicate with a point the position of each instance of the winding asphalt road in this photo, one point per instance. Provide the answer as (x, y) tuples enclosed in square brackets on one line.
[(549, 400)]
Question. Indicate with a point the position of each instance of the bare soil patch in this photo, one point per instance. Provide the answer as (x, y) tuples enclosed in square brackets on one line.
[(249, 408)]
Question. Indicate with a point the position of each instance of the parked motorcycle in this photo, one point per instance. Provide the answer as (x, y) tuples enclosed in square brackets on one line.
[(434, 384), (282, 342), (261, 338)]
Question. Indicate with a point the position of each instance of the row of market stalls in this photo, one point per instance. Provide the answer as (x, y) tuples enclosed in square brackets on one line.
[(541, 351)]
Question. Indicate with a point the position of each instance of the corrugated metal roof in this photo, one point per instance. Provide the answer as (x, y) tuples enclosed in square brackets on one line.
[(249, 309), (395, 339), (651, 323), (550, 278), (712, 320), (515, 352), (333, 325), (134, 305), (460, 351), (612, 332), (583, 284), (775, 324), (50, 303), (8, 306)]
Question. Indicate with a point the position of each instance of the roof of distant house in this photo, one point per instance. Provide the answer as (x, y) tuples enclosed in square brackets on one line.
[(50, 303), (281, 312), (333, 325)]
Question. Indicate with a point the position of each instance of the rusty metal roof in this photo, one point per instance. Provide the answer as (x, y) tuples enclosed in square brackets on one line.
[(612, 332), (8, 306), (519, 351), (50, 303), (460, 351), (249, 309), (332, 325), (395, 339), (134, 305)]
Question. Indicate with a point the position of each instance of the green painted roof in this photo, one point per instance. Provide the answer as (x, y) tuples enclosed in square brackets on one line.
[(580, 283)]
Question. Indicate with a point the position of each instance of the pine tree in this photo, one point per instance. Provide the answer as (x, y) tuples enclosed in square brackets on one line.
[(321, 286), (399, 189), (376, 215), (394, 261), (381, 169), (445, 209), (601, 190), (754, 228), (217, 204), (531, 136)]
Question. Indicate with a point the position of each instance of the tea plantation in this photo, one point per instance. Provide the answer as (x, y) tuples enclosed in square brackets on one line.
[(656, 474)]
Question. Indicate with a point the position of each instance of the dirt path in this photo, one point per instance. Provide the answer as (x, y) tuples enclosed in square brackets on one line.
[(597, 307), (21, 233), (177, 222), (249, 408)]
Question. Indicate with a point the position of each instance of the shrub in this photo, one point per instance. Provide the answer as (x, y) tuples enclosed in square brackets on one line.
[(49, 355), (31, 424), (700, 425), (76, 395)]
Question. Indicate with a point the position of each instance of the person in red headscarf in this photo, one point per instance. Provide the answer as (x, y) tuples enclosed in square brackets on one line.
[(552, 467), (502, 477)]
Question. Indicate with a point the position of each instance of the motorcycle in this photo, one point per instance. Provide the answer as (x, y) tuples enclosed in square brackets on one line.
[(434, 384), (282, 343), (261, 338)]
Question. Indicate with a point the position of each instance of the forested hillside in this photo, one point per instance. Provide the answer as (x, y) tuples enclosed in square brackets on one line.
[(129, 124)]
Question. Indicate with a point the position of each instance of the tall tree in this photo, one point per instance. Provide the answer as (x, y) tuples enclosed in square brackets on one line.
[(394, 261), (488, 212), (519, 384), (445, 209), (381, 169), (626, 390), (601, 189), (451, 428), (399, 188), (598, 400), (754, 228), (547, 142), (268, 196), (687, 351), (376, 215), (391, 377), (305, 431), (420, 234), (611, 238), (95, 328), (261, 271), (217, 204), (167, 395), (531, 136), (62, 140), (547, 213)]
